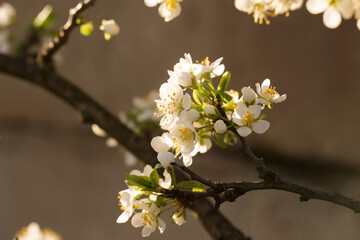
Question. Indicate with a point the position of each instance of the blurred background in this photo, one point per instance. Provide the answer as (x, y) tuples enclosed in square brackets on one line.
[(55, 171)]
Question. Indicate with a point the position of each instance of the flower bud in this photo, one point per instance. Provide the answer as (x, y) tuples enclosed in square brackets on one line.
[(249, 95), (220, 127), (210, 111), (193, 115), (110, 28)]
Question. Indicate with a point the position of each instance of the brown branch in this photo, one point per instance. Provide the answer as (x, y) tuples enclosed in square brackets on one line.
[(215, 223), (45, 54)]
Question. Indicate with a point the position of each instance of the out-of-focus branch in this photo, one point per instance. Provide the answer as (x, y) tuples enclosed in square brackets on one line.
[(92, 112), (45, 54)]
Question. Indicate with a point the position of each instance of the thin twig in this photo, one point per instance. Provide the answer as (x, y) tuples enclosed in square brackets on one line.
[(45, 54)]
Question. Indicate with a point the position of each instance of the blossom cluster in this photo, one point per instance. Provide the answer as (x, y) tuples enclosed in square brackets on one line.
[(144, 201), (191, 122)]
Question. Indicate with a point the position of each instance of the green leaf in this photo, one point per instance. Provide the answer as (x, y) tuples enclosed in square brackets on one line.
[(160, 201), (195, 186), (219, 141), (224, 96), (140, 181), (224, 81), (87, 29), (171, 171), (154, 177)]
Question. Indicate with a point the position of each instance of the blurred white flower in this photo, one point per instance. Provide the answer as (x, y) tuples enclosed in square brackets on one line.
[(110, 28), (333, 10), (7, 15), (126, 203), (34, 232), (5, 46), (168, 9)]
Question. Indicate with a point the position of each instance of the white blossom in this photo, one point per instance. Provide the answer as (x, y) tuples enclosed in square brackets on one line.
[(5, 46), (184, 138), (172, 102), (110, 28), (148, 218), (7, 14), (168, 9), (249, 96), (126, 201), (246, 118), (268, 93), (215, 68), (334, 11), (34, 232)]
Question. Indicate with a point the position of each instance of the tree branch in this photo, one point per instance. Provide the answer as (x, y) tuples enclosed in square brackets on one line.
[(92, 112), (45, 54)]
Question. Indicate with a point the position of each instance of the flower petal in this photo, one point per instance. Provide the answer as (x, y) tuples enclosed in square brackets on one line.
[(316, 6), (137, 221), (161, 225), (260, 126), (244, 131), (165, 158), (256, 110), (186, 101), (147, 230), (331, 18), (124, 217)]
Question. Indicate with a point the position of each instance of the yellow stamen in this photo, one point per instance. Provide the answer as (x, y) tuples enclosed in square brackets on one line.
[(248, 119)]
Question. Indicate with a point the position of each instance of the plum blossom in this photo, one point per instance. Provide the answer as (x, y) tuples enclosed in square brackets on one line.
[(334, 10), (172, 102), (247, 119), (184, 138), (7, 14), (126, 201), (34, 232), (268, 94), (110, 28), (148, 218), (168, 9)]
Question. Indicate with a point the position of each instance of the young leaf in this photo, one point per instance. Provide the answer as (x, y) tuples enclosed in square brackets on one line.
[(140, 181), (195, 186), (196, 97), (154, 177)]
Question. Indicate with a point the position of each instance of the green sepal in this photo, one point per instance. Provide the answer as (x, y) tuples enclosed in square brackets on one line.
[(171, 171), (193, 185), (160, 201), (140, 181), (230, 138), (219, 141), (262, 116), (224, 81), (154, 177), (157, 166)]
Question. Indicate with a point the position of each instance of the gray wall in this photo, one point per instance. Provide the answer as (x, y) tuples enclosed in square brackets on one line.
[(56, 172)]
